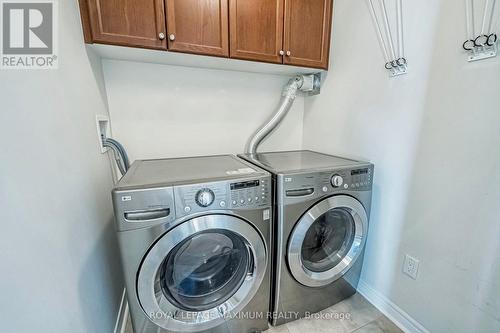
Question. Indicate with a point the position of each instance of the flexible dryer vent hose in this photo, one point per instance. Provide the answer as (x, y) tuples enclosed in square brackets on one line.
[(300, 82)]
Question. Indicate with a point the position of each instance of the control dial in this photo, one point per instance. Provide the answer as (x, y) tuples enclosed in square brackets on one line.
[(337, 181), (205, 197)]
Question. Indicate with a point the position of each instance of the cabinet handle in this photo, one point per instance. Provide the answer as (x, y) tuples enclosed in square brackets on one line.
[(161, 35), (282, 52), (288, 53), (171, 37)]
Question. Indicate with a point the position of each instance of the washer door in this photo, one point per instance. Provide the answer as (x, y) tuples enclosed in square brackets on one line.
[(200, 272), (327, 240)]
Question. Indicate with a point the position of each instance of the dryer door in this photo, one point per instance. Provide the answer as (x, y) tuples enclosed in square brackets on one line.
[(327, 240), (202, 271)]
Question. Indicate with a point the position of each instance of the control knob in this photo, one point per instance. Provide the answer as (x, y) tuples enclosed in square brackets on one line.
[(205, 197), (337, 181)]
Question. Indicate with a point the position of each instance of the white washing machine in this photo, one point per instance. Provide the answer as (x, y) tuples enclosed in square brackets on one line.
[(194, 236), (322, 205)]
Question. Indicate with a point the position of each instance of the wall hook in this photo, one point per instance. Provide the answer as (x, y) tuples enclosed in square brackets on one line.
[(395, 61)]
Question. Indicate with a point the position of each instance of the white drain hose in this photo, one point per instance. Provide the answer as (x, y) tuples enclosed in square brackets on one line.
[(289, 95)]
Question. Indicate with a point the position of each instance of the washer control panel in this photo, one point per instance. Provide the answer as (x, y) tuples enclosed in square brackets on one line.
[(252, 193), (248, 194), (199, 197)]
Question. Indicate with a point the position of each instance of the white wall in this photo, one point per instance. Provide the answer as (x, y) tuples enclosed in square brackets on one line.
[(60, 270), (433, 136), (169, 111)]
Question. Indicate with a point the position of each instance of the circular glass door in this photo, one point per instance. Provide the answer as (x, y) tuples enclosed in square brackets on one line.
[(327, 240), (201, 271), (205, 270)]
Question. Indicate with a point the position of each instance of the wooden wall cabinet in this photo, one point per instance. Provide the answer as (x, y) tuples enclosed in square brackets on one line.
[(307, 32), (291, 32), (198, 26), (136, 23), (256, 29)]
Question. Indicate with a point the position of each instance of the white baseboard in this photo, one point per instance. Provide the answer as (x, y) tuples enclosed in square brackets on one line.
[(399, 317), (121, 319)]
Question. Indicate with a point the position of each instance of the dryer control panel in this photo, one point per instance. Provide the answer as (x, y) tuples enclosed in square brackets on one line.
[(301, 186), (247, 194), (354, 179)]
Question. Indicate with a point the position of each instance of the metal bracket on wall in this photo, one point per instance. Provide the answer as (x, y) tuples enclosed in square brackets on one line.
[(395, 61), (480, 44), (397, 67), (483, 52), (399, 71), (314, 84)]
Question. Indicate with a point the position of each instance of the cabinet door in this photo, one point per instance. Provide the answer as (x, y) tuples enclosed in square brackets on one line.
[(307, 32), (256, 29), (198, 26), (136, 23)]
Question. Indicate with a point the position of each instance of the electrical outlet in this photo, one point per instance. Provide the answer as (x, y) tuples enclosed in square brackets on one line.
[(103, 130), (410, 266)]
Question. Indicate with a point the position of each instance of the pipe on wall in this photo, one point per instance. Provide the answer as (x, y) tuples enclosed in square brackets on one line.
[(304, 83)]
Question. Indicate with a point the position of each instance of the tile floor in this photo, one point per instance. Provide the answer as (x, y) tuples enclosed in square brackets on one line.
[(354, 314)]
